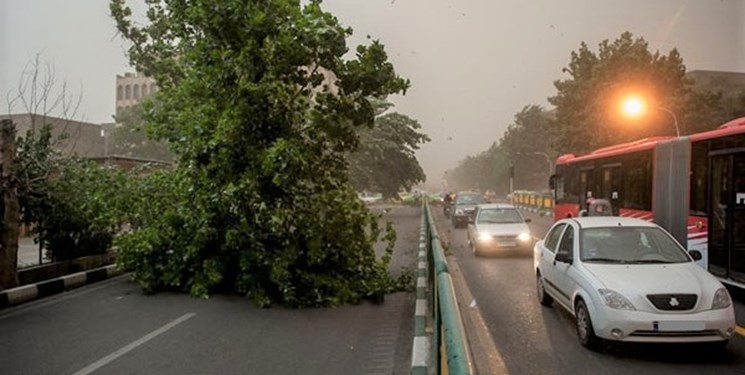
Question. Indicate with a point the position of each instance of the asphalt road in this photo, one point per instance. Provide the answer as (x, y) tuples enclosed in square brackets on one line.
[(112, 328), (527, 338)]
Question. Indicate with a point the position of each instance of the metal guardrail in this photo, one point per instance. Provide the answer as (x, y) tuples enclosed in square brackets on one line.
[(452, 353)]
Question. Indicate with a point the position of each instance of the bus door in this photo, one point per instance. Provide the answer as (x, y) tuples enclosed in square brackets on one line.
[(586, 187), (611, 186), (727, 216)]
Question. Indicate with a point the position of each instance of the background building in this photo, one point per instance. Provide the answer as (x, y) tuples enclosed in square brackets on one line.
[(728, 83), (131, 88), (76, 138)]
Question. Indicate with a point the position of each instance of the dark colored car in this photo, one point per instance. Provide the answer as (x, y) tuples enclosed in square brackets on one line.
[(464, 206)]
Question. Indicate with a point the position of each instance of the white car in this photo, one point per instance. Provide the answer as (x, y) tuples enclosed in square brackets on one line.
[(498, 228), (627, 279)]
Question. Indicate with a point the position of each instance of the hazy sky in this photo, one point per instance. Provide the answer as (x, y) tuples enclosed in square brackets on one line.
[(473, 63)]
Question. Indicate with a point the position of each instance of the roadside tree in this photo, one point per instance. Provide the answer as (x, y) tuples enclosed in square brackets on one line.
[(260, 107), (385, 162)]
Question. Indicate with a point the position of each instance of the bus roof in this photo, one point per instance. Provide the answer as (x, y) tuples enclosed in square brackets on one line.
[(736, 126), (619, 149)]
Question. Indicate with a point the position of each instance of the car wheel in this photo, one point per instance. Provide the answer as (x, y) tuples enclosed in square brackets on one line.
[(585, 331), (543, 297)]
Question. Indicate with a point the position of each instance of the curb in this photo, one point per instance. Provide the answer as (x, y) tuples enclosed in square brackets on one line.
[(25, 293), (421, 346)]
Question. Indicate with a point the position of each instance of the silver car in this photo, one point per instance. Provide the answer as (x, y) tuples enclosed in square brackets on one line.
[(498, 229)]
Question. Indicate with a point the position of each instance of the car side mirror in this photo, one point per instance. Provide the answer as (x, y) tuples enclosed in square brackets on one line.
[(563, 257), (528, 220), (696, 255)]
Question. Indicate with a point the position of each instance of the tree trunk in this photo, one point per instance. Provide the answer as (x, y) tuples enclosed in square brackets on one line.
[(11, 209)]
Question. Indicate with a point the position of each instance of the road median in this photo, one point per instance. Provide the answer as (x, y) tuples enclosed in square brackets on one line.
[(30, 292)]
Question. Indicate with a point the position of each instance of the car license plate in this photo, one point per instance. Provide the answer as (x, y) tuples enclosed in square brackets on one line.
[(679, 325), (506, 244)]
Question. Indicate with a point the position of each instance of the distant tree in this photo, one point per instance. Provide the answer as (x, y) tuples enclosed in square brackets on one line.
[(260, 106), (26, 185), (129, 137), (528, 144), (736, 106), (525, 145), (587, 105), (384, 161)]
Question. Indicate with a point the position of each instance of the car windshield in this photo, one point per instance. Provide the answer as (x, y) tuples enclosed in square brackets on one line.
[(499, 216), (625, 245), (469, 199)]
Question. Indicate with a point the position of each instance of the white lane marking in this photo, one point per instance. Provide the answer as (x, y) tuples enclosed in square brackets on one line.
[(422, 265), (126, 349)]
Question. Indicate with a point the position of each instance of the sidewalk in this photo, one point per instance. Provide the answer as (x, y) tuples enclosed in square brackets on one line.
[(28, 253)]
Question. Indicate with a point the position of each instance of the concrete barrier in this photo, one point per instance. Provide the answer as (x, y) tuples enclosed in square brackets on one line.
[(25, 293), (449, 346)]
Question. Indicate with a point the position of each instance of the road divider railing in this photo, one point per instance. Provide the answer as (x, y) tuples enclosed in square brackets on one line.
[(450, 349), (533, 201)]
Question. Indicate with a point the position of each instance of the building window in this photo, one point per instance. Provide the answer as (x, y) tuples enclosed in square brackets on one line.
[(144, 90), (119, 92), (153, 88), (127, 92), (136, 92)]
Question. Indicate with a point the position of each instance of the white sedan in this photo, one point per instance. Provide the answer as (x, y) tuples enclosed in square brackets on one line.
[(627, 279), (498, 228)]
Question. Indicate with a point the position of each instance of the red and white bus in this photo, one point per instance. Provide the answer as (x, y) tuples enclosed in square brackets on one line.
[(693, 186)]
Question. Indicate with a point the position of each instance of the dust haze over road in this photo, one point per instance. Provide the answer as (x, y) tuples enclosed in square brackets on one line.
[(473, 64)]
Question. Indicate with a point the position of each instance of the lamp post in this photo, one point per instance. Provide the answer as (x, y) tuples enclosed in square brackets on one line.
[(634, 107), (675, 119)]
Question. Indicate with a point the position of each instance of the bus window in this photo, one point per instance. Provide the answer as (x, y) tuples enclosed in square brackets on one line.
[(637, 182), (699, 178), (587, 186), (611, 188)]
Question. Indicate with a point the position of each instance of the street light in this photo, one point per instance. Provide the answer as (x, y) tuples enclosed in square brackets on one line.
[(675, 119), (633, 106)]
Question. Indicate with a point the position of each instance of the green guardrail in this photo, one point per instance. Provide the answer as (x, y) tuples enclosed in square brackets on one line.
[(449, 334)]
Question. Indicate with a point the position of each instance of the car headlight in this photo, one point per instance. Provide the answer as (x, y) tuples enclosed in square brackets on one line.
[(615, 300), (485, 237), (459, 212), (524, 237), (721, 299)]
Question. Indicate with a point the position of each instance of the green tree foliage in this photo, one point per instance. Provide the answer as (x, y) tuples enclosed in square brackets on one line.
[(709, 108), (260, 110), (523, 146), (69, 202), (130, 139), (588, 114), (81, 214), (384, 161)]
